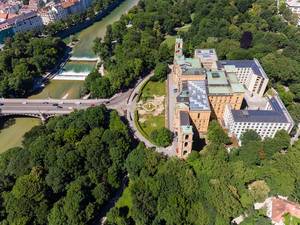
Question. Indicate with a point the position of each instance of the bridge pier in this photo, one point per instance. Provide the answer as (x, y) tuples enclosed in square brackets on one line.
[(43, 118)]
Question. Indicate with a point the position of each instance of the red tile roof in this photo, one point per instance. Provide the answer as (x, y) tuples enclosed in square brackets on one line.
[(4, 16), (280, 207)]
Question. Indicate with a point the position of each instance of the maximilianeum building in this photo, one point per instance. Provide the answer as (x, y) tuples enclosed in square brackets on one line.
[(211, 89)]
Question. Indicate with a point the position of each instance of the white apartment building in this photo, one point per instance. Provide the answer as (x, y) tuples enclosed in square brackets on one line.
[(53, 13), (25, 22), (249, 73), (265, 122)]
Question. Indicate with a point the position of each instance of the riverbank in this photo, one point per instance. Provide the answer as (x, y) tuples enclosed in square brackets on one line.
[(12, 135)]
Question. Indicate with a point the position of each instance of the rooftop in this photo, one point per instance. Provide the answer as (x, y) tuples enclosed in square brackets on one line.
[(184, 118), (293, 3), (185, 122), (280, 207), (206, 54), (221, 83), (217, 78), (190, 66), (198, 95), (276, 115), (253, 64)]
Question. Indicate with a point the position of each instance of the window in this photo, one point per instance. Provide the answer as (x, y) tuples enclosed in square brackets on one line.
[(186, 137), (185, 152), (186, 144)]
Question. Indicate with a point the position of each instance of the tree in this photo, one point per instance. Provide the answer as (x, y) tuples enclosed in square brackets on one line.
[(162, 137), (246, 40), (216, 134), (161, 72), (248, 136)]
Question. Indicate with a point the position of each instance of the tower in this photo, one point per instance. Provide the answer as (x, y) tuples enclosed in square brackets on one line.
[(178, 48)]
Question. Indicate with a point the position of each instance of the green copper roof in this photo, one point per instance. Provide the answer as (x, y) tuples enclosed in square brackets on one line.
[(187, 129), (216, 78), (220, 82)]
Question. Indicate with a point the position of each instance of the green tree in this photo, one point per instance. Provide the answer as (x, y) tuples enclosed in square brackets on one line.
[(161, 72), (248, 136), (216, 134), (162, 137)]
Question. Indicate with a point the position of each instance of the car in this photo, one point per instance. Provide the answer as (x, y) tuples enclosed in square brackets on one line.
[(45, 102), (60, 107), (24, 103), (175, 90), (55, 104)]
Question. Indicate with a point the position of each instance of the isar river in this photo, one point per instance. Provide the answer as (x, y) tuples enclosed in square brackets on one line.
[(12, 132)]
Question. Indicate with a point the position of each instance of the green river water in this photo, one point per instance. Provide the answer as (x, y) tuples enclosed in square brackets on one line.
[(12, 135)]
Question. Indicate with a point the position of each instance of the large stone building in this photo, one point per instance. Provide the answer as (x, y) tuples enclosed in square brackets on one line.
[(211, 89), (224, 88)]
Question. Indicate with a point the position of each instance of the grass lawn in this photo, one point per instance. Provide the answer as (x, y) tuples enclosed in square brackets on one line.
[(125, 199), (290, 220), (185, 28), (153, 88), (61, 89), (153, 123), (170, 41), (12, 135)]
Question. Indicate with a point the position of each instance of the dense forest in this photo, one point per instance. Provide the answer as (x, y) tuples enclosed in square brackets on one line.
[(132, 46), (210, 188), (238, 29), (26, 57), (66, 170)]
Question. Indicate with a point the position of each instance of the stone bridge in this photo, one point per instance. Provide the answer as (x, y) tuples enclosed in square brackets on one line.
[(45, 108)]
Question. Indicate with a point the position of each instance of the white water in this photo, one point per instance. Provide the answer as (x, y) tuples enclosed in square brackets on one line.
[(88, 59), (69, 78), (73, 73)]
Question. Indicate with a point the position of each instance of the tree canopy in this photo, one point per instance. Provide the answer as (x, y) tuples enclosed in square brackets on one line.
[(24, 59), (66, 171)]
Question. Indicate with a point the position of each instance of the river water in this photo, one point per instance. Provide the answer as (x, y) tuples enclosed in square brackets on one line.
[(12, 135), (82, 51)]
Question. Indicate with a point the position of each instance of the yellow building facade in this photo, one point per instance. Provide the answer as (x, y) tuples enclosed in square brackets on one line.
[(204, 91)]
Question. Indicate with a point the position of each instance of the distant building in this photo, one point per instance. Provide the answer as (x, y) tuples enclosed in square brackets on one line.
[(72, 6), (26, 22), (53, 13), (5, 31), (277, 208), (294, 6), (20, 23)]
